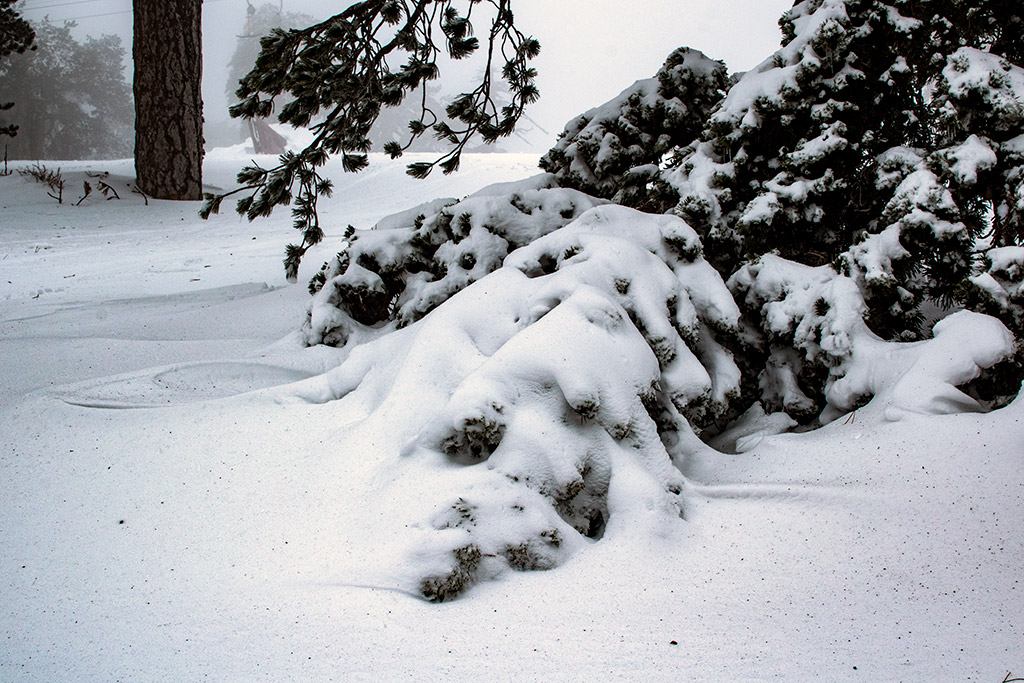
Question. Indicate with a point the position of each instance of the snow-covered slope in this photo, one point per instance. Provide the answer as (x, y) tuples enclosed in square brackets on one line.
[(175, 505)]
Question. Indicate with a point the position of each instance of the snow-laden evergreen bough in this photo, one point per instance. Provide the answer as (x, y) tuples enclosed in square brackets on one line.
[(883, 137), (843, 202), (614, 151), (414, 261)]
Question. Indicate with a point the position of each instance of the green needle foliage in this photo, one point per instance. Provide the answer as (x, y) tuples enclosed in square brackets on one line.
[(336, 76)]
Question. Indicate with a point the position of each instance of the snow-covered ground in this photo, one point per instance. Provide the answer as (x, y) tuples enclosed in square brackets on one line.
[(169, 509)]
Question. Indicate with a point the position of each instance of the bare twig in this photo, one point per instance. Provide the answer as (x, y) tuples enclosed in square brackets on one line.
[(86, 191), (105, 189), (108, 191), (136, 190), (52, 179)]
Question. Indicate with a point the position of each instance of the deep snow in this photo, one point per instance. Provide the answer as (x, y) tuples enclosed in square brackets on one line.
[(171, 509)]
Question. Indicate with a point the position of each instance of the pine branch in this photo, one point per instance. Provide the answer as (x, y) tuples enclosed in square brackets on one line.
[(338, 73)]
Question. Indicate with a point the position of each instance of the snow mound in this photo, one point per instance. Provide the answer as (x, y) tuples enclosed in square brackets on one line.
[(549, 399), (922, 377)]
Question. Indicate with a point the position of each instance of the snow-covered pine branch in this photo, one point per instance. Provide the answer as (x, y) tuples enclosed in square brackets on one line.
[(615, 150)]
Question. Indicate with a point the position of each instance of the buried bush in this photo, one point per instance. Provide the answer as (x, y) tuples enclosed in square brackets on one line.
[(836, 239)]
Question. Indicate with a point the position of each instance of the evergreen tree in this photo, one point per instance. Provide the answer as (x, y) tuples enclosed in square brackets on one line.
[(73, 100), (167, 52), (260, 22), (16, 35)]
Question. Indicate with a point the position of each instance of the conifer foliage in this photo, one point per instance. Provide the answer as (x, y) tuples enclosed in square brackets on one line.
[(338, 75), (16, 34), (414, 261), (877, 138), (880, 148), (613, 151)]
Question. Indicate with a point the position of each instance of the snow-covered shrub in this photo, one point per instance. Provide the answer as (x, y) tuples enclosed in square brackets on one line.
[(824, 361), (556, 399), (574, 350), (651, 267), (614, 150), (413, 261)]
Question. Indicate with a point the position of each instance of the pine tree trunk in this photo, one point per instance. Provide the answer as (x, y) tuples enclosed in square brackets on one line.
[(167, 50)]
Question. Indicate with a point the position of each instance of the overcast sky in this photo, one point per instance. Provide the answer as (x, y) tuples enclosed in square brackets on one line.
[(591, 49)]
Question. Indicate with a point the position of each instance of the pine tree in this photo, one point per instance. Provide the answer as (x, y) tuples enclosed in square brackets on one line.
[(16, 36), (73, 100), (881, 143), (853, 145), (167, 51)]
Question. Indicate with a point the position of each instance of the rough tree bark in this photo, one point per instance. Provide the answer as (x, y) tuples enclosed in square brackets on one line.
[(167, 51)]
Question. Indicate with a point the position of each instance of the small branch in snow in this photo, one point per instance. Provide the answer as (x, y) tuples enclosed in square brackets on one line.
[(86, 191), (136, 190), (52, 179)]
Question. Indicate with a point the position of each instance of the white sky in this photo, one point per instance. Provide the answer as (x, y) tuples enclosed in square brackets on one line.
[(591, 49)]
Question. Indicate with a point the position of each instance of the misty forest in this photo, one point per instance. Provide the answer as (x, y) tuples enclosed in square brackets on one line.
[(722, 381)]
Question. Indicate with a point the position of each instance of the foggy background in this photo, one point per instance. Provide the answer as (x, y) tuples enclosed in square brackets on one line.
[(590, 49)]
